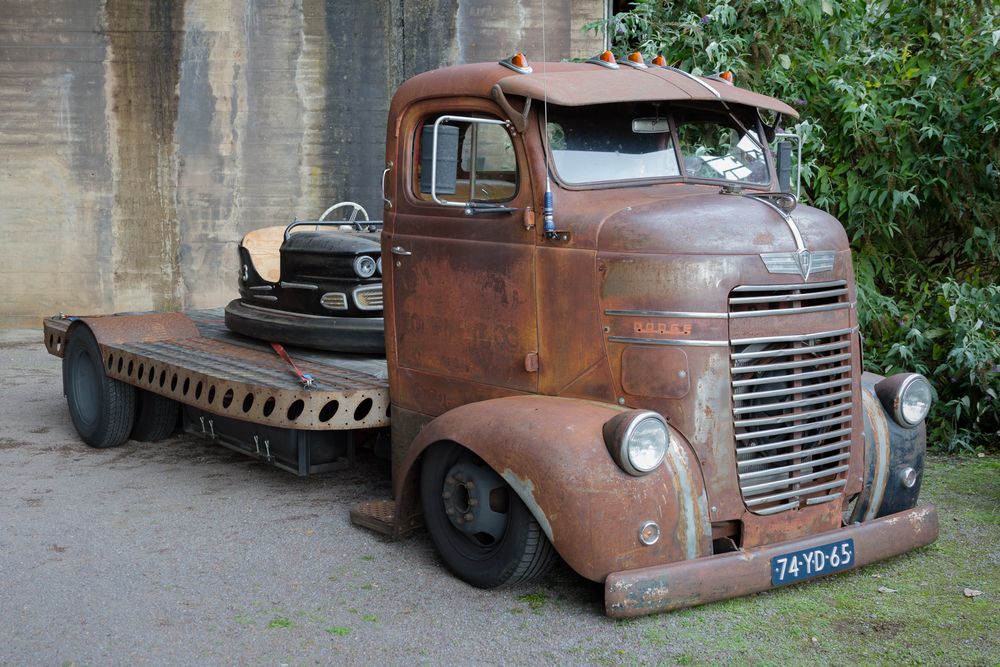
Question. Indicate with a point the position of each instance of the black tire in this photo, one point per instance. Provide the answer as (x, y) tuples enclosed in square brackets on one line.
[(500, 545), (155, 417), (102, 408)]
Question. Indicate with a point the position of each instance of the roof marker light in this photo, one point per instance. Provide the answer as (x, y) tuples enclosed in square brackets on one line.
[(635, 60), (606, 59), (518, 63), (725, 77), (659, 61)]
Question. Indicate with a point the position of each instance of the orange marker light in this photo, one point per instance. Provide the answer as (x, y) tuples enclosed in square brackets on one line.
[(609, 57), (727, 75), (636, 57), (659, 61), (519, 60)]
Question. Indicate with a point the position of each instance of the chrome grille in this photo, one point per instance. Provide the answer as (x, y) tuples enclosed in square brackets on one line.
[(334, 301), (792, 406), (368, 298)]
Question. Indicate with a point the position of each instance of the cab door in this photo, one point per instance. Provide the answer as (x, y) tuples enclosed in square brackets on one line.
[(463, 324)]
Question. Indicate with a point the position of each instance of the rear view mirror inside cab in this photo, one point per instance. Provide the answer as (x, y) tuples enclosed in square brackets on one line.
[(650, 125)]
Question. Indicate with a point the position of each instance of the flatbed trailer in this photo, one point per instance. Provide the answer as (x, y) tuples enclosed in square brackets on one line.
[(238, 390)]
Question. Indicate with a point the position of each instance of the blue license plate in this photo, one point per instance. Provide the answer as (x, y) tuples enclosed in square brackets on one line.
[(812, 562)]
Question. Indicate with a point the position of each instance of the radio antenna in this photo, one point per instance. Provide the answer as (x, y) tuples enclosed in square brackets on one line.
[(548, 210)]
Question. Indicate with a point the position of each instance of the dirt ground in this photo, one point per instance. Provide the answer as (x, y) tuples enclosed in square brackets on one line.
[(183, 552)]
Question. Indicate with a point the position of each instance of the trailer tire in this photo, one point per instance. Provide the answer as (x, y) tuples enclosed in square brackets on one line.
[(155, 417), (102, 408), (510, 548)]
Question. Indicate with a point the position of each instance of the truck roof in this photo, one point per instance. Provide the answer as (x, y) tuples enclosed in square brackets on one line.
[(580, 84)]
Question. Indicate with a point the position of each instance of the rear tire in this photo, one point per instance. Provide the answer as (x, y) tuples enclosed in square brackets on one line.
[(102, 408), (155, 417), (494, 541)]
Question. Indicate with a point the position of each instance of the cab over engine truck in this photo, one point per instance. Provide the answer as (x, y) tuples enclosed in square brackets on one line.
[(611, 336)]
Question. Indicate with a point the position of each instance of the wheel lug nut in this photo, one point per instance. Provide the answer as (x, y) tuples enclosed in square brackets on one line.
[(473, 502), (469, 517), (450, 511), (446, 495)]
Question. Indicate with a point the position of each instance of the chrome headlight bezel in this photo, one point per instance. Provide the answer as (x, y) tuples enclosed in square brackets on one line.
[(623, 434), (365, 266), (896, 394)]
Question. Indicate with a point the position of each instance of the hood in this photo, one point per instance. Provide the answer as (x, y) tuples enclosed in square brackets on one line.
[(715, 224)]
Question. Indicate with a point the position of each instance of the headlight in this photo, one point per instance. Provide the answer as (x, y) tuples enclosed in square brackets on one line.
[(907, 397), (637, 441), (364, 266)]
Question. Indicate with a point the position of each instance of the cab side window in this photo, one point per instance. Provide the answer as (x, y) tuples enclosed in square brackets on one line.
[(475, 162)]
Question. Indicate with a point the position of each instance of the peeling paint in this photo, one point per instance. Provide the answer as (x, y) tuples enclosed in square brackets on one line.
[(525, 489)]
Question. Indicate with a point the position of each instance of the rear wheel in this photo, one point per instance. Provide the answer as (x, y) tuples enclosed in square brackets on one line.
[(482, 530), (155, 417), (102, 408)]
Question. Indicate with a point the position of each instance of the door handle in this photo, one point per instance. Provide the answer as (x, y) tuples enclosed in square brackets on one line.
[(400, 250)]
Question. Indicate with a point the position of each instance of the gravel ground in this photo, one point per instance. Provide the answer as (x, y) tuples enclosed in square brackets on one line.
[(182, 552)]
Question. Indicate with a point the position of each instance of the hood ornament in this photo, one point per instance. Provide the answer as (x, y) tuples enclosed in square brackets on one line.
[(804, 259), (803, 262)]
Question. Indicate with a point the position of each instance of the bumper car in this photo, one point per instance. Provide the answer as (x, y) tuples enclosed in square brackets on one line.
[(313, 283)]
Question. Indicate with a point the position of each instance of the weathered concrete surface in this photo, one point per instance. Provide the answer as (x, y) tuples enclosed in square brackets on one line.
[(139, 141)]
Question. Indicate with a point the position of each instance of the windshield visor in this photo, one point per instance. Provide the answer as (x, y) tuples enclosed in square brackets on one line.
[(627, 142)]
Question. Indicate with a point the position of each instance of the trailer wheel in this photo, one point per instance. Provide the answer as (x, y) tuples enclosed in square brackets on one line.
[(102, 408), (155, 417), (482, 530)]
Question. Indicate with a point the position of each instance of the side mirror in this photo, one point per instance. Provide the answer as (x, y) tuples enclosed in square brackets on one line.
[(783, 162), (784, 165), (443, 164)]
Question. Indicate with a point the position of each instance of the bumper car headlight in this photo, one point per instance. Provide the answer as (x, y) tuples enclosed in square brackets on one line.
[(364, 266), (907, 397), (637, 441)]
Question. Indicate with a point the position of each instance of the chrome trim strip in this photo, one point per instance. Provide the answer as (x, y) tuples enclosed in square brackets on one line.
[(778, 508), (791, 377), (298, 285), (792, 311), (788, 286), (785, 365), (792, 390), (261, 288), (819, 437), (782, 298), (767, 486), (264, 297), (668, 341), (795, 492), (795, 428), (776, 458), (793, 416), (823, 499), (794, 466), (826, 347), (666, 313), (801, 403), (793, 339)]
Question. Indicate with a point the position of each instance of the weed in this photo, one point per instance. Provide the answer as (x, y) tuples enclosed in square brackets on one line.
[(280, 622), (338, 631)]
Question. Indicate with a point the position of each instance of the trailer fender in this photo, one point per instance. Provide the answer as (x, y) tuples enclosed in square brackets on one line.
[(551, 451)]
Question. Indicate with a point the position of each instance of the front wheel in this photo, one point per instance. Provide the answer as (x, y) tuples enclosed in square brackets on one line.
[(480, 527)]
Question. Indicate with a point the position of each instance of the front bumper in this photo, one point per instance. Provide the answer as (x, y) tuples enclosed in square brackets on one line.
[(693, 582)]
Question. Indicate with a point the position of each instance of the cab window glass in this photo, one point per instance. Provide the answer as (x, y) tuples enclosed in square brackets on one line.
[(484, 164)]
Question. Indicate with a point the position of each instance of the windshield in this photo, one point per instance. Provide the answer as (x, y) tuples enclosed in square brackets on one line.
[(618, 142)]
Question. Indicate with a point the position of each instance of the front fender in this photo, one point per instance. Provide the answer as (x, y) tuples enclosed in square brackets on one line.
[(551, 452), (889, 449)]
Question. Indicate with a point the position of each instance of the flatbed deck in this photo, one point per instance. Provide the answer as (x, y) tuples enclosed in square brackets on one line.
[(192, 358)]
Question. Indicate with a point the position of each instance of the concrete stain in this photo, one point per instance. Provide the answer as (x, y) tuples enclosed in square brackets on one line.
[(144, 70)]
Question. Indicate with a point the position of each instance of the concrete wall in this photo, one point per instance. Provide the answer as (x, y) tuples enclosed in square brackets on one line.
[(139, 139)]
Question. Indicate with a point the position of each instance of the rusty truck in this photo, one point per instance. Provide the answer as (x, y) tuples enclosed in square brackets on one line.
[(612, 336)]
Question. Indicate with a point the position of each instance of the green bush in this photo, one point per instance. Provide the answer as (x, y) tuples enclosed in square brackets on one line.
[(900, 105)]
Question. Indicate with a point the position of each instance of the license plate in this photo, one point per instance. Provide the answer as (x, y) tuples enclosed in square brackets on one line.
[(812, 562)]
